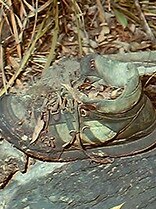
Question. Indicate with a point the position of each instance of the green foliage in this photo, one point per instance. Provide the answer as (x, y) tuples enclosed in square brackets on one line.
[(121, 18)]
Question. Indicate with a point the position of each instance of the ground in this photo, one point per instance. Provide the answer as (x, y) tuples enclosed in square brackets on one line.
[(73, 29)]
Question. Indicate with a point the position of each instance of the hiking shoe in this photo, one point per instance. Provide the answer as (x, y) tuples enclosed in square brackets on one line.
[(76, 112)]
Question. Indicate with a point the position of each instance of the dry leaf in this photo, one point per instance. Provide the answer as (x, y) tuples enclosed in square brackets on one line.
[(37, 130), (14, 62), (93, 44), (118, 206), (102, 36)]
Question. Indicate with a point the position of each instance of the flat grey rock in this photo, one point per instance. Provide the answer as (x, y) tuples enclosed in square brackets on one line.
[(11, 161), (15, 190), (84, 184)]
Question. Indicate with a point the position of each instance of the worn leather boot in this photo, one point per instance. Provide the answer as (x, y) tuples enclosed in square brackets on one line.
[(74, 112)]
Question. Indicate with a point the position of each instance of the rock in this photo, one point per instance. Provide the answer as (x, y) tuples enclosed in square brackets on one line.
[(84, 184), (11, 161)]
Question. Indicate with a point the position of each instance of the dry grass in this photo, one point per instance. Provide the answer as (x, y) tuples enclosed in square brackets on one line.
[(33, 33)]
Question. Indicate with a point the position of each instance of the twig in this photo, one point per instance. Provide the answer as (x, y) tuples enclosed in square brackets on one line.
[(144, 22), (102, 18), (2, 68), (79, 23), (35, 11), (2, 54), (101, 11), (51, 55), (140, 57), (15, 30)]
